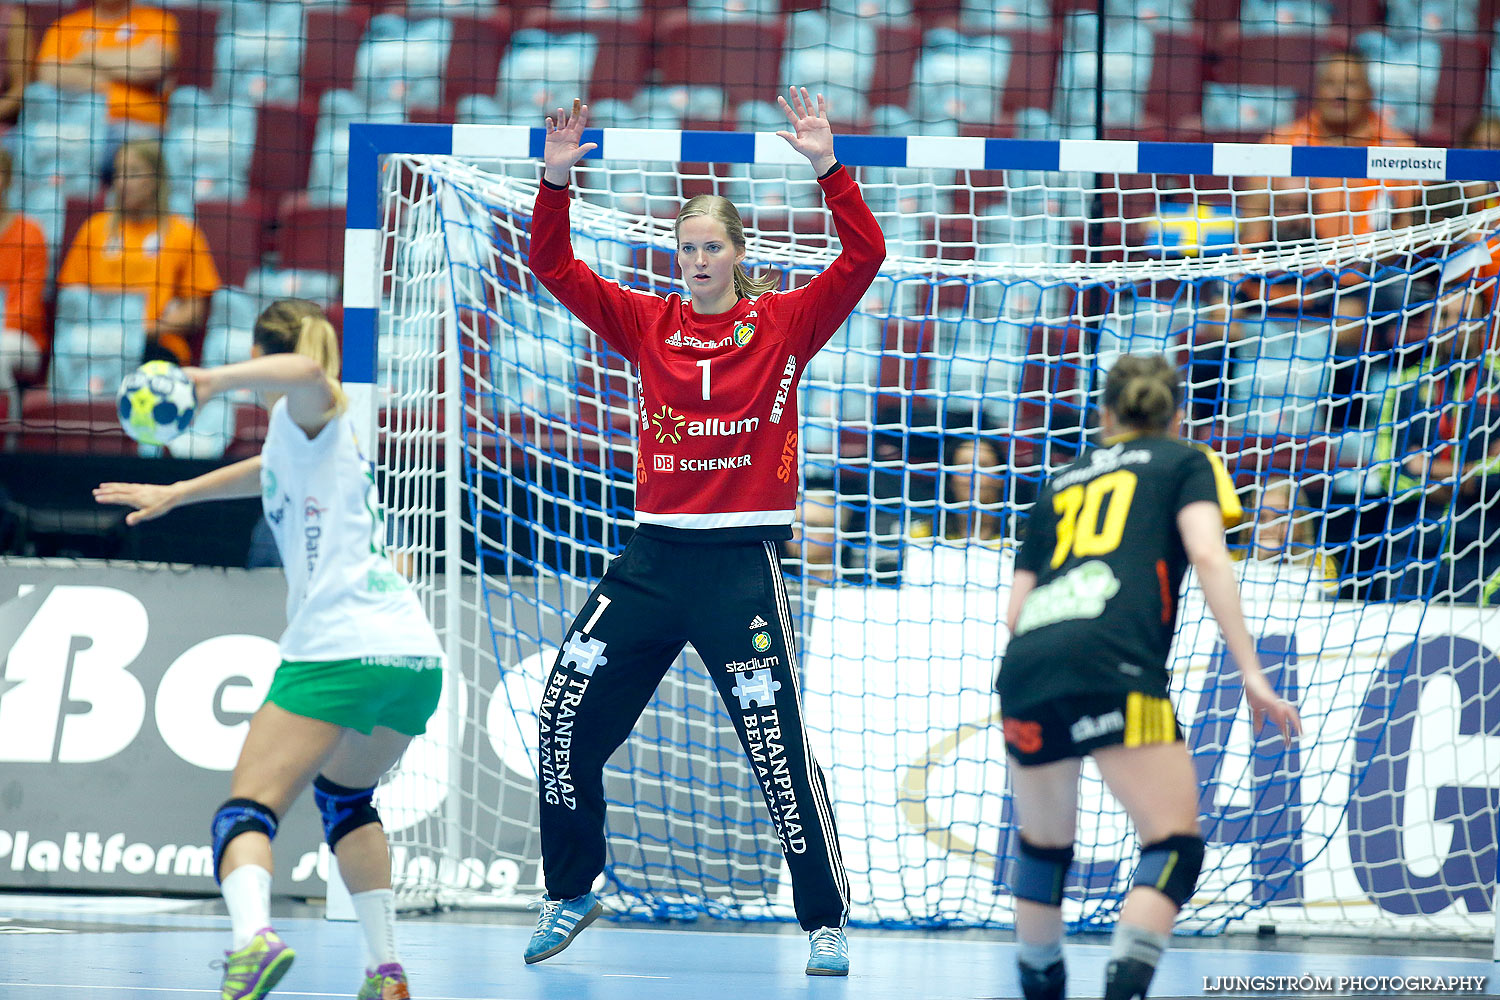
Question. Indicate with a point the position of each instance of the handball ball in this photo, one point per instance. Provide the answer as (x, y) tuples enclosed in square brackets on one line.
[(156, 402)]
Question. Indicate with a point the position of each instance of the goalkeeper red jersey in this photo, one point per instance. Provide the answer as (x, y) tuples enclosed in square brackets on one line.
[(717, 458)]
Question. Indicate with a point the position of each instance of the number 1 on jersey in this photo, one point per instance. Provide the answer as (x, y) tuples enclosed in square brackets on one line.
[(1078, 511), (704, 365)]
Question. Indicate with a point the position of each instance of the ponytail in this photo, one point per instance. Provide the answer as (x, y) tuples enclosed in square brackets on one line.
[(1143, 392), (298, 326)]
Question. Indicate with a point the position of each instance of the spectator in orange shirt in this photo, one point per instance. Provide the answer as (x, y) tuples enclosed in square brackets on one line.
[(1343, 114), (138, 247), (121, 49), (23, 280)]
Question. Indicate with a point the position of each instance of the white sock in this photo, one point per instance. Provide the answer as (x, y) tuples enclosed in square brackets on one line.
[(247, 893), (376, 910)]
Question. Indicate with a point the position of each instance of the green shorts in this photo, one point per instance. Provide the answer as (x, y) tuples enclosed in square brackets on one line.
[(399, 692)]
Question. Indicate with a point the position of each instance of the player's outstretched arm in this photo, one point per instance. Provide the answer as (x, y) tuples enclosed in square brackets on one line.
[(564, 147), (152, 500), (1202, 528), (811, 134), (297, 378)]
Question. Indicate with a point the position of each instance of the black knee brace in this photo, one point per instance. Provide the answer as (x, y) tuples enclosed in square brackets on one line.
[(1171, 866), (344, 810), (239, 816), (1040, 873)]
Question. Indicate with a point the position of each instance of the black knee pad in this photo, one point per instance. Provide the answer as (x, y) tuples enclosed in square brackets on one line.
[(238, 816), (344, 810), (1171, 866), (1040, 872)]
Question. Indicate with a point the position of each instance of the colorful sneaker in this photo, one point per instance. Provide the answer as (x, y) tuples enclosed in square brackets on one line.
[(250, 972), (830, 952), (559, 924), (386, 983), (1050, 983)]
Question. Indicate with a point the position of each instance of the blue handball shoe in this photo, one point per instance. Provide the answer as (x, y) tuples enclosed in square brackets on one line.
[(559, 924), (829, 952)]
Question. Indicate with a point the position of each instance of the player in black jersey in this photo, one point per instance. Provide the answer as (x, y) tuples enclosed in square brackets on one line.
[(1092, 612)]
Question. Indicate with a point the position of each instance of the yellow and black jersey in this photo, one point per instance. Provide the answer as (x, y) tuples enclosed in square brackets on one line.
[(1108, 557)]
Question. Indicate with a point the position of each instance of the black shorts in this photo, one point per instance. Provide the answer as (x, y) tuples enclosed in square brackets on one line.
[(1077, 725)]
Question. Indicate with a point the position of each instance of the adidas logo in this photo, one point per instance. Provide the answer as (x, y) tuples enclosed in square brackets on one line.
[(758, 623), (675, 340)]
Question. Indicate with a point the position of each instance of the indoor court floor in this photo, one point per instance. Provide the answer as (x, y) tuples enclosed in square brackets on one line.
[(122, 948)]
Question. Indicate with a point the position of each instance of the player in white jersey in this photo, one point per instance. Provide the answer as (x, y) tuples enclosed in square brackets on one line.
[(361, 666)]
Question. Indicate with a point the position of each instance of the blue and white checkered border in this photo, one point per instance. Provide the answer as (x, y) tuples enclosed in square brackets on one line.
[(367, 143)]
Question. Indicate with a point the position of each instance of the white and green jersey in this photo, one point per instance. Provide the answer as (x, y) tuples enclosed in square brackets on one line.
[(344, 600)]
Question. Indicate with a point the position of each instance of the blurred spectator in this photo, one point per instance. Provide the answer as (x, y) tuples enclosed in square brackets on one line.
[(965, 544), (16, 51), (122, 50), (23, 281), (1454, 459), (1343, 114), (815, 543), (972, 495), (137, 246), (1282, 542)]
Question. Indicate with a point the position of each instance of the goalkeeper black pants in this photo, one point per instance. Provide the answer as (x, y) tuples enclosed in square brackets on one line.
[(730, 602)]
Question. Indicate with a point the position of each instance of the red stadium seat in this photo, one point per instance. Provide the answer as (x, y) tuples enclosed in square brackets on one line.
[(250, 424), (1283, 60), (1175, 91), (751, 55), (473, 65), (1460, 88), (1033, 68), (1248, 459), (73, 426), (235, 232), (283, 149), (197, 30), (624, 56), (1054, 384), (896, 51), (333, 38), (78, 212), (310, 236)]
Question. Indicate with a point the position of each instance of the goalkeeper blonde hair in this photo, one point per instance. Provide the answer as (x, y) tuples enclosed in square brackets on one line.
[(722, 210)]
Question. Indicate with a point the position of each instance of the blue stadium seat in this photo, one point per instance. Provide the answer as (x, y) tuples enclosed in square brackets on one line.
[(401, 62), (1129, 47), (605, 10), (1246, 108), (98, 339), (877, 12), (57, 144), (328, 180), (267, 284), (258, 55), (231, 320), (417, 9), (959, 78), (1272, 17), (841, 67), (207, 147), (1404, 71), (543, 71), (978, 17), (1433, 16), (734, 10)]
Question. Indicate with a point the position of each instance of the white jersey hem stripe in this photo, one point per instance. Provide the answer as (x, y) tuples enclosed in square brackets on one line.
[(730, 519)]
